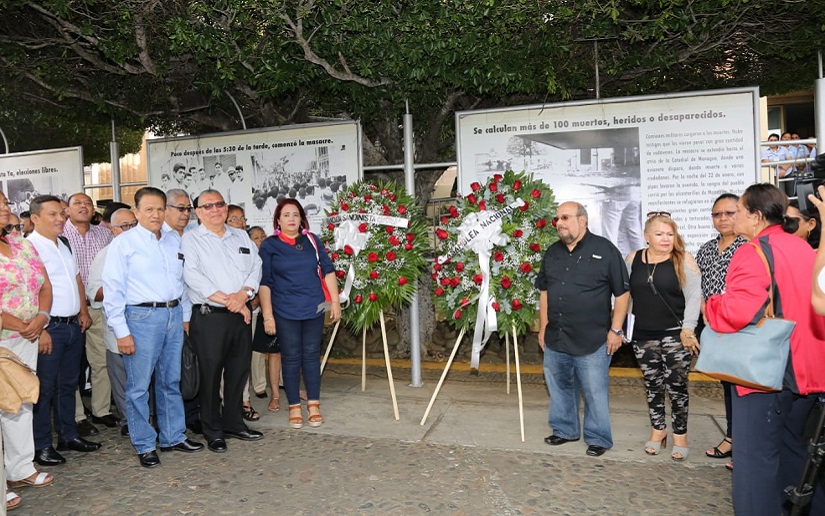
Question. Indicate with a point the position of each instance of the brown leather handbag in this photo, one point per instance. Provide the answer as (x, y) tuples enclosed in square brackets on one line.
[(18, 382)]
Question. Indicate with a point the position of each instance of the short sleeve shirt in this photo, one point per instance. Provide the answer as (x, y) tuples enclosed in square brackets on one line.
[(21, 277), (580, 285), (714, 265)]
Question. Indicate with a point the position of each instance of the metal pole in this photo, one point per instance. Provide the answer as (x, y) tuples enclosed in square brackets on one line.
[(409, 181), (819, 108), (240, 113), (596, 65), (5, 141), (114, 155)]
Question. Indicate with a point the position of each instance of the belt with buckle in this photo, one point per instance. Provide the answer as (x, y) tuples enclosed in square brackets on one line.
[(72, 319), (159, 304), (205, 309)]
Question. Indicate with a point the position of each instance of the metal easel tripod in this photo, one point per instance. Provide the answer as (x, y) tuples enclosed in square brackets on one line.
[(801, 494)]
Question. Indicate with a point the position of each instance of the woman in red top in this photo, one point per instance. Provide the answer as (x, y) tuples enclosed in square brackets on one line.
[(768, 426)]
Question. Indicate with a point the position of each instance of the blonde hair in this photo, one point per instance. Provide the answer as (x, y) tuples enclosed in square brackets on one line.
[(678, 253)]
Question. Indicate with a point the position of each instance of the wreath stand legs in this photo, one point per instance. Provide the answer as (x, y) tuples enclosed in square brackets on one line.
[(518, 384), (329, 346), (443, 375), (389, 368), (507, 353)]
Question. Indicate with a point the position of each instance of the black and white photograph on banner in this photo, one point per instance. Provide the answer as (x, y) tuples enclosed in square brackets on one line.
[(29, 174), (623, 157), (254, 169)]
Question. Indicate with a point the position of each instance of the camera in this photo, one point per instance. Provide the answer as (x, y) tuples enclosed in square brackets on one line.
[(809, 185)]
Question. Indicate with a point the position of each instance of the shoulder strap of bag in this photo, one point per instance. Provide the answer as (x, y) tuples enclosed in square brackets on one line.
[(769, 310), (672, 312), (311, 238)]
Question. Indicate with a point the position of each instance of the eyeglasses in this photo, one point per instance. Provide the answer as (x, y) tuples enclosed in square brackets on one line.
[(720, 214), (236, 219), (13, 227), (208, 206), (127, 226), (651, 214), (563, 218), (180, 208)]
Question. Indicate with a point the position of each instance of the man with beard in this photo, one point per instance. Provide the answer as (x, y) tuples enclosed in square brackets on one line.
[(577, 331)]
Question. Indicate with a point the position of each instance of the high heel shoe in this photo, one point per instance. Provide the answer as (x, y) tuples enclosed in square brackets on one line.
[(679, 453), (654, 447), (315, 419), (274, 404), (296, 418), (716, 453)]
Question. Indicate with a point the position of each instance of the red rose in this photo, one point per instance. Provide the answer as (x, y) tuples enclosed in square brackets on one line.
[(526, 268), (389, 230), (331, 227), (453, 212), (441, 234), (541, 223), (333, 213), (445, 282), (402, 210), (495, 306), (535, 194), (335, 256), (394, 240), (362, 210), (505, 282), (500, 198), (476, 186), (385, 192), (367, 198), (516, 304), (517, 233), (497, 177), (373, 296), (516, 185), (408, 246), (410, 237), (444, 220), (439, 292), (482, 205), (348, 250), (477, 279), (457, 314), (535, 247), (525, 206), (393, 197), (493, 187), (374, 275), (344, 206), (471, 199), (498, 256), (391, 256), (340, 274), (455, 281), (385, 209), (363, 228), (437, 266), (402, 281), (459, 267), (372, 257), (351, 195), (358, 298), (464, 301), (435, 275), (373, 188)]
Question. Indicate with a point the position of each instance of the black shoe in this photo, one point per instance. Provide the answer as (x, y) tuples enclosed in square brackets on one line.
[(124, 430), (78, 444), (195, 428), (596, 451), (245, 435), (149, 459), (85, 428), (48, 457), (555, 440), (185, 446), (217, 445), (108, 420), (261, 395)]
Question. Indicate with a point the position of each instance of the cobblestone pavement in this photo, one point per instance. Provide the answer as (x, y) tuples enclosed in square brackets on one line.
[(361, 461)]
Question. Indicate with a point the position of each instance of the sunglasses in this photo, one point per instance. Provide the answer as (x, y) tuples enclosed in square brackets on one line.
[(210, 205), (127, 226), (236, 219), (13, 227), (658, 214), (180, 208), (563, 218), (720, 214)]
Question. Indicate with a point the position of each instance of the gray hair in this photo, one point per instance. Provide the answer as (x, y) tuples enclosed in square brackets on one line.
[(176, 192)]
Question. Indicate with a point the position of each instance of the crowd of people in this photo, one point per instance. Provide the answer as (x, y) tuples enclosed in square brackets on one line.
[(124, 293), (670, 296)]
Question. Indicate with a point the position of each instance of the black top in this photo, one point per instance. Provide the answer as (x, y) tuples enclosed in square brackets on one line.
[(579, 287), (653, 318)]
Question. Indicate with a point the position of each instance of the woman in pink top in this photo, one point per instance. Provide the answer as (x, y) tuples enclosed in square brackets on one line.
[(768, 427)]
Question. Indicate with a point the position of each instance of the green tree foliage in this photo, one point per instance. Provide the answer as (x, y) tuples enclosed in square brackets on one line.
[(180, 65)]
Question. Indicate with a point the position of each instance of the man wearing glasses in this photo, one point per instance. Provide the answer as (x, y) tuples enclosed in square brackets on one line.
[(121, 220), (222, 272), (148, 309), (577, 330)]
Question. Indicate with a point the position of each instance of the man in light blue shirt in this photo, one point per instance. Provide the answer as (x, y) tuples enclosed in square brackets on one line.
[(148, 309)]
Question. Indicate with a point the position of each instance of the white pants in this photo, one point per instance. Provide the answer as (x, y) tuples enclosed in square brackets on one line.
[(18, 438)]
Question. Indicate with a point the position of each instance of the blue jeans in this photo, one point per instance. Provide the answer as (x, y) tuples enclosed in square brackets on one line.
[(569, 375), (300, 353), (58, 372), (158, 336)]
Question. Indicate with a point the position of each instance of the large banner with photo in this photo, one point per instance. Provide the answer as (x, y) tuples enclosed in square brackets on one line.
[(25, 175), (255, 168), (624, 157)]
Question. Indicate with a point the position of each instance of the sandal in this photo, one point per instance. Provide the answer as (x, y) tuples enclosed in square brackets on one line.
[(34, 480), (249, 413), (274, 404), (13, 501), (296, 421), (729, 465), (315, 419), (679, 453), (654, 447), (716, 453)]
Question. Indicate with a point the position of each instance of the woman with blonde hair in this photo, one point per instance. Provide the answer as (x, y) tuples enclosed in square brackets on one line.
[(665, 289)]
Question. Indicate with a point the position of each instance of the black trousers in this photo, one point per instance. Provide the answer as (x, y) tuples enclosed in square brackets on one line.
[(223, 344)]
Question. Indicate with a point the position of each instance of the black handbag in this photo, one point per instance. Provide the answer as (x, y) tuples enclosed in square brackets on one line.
[(263, 343), (190, 379)]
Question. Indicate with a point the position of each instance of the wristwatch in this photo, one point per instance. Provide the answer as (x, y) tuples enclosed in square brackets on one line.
[(618, 332), (250, 293)]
